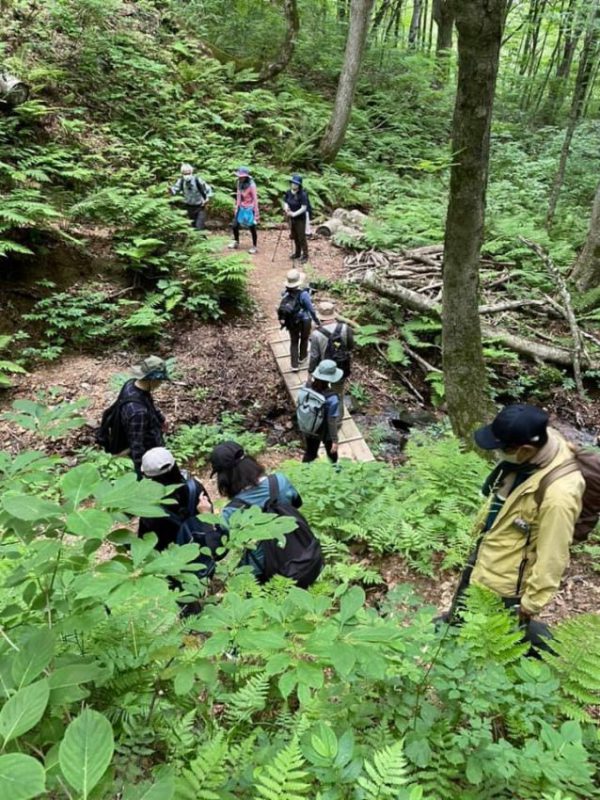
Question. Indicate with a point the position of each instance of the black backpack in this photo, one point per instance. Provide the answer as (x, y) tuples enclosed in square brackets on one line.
[(193, 530), (111, 436), (300, 559), (289, 309), (336, 350)]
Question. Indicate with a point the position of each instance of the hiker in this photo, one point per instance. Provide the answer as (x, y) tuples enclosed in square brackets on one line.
[(523, 547), (295, 313), (295, 207), (246, 213), (334, 341), (318, 412), (196, 194), (143, 424), (158, 464), (245, 483)]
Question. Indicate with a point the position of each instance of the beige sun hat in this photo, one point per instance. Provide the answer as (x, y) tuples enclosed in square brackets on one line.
[(294, 279), (326, 308), (152, 368)]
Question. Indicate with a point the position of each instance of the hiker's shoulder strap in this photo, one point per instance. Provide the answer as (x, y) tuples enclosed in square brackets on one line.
[(273, 487), (193, 496), (338, 329), (566, 468)]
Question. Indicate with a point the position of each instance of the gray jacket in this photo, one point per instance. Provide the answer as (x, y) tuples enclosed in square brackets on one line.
[(196, 192), (318, 342)]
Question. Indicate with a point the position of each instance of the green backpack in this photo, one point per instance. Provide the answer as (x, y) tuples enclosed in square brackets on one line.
[(310, 411)]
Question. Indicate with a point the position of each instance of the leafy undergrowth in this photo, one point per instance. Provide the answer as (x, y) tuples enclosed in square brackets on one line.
[(270, 692)]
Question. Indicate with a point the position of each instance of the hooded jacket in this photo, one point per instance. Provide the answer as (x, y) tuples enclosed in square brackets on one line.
[(526, 551)]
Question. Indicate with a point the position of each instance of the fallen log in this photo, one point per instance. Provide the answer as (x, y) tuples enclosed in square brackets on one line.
[(525, 347), (353, 218), (334, 227)]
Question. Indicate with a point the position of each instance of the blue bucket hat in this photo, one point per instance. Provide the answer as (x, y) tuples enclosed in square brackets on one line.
[(297, 179), (242, 172)]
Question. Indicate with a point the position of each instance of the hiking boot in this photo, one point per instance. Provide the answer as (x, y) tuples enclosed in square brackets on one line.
[(294, 257), (252, 251), (233, 245), (295, 369), (303, 259)]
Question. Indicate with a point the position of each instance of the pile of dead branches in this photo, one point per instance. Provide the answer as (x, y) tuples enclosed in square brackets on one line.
[(414, 279)]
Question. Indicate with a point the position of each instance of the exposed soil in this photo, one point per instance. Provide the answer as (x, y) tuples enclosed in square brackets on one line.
[(229, 367)]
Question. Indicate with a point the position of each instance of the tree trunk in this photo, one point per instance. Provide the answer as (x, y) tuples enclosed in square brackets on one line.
[(443, 16), (586, 272), (286, 51), (479, 24), (360, 13), (582, 81), (415, 23)]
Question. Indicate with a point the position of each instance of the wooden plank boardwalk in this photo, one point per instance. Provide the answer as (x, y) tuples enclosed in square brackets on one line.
[(351, 442)]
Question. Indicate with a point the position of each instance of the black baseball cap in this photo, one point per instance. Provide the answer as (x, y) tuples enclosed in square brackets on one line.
[(226, 456), (514, 426)]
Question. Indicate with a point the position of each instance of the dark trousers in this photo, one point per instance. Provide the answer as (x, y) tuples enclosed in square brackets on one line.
[(298, 233), (299, 336), (236, 232), (197, 214), (311, 449)]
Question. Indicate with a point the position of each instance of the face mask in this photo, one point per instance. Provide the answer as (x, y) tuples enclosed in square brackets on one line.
[(511, 458), (295, 188)]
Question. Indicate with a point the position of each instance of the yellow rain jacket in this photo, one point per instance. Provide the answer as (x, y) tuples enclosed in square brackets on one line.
[(526, 551)]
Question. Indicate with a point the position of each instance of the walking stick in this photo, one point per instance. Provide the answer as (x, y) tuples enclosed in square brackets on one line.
[(276, 245)]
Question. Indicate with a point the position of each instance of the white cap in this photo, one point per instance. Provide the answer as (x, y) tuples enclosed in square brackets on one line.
[(157, 461)]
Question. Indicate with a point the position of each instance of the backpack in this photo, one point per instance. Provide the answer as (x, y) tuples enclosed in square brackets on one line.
[(309, 210), (588, 463), (310, 411), (193, 530), (300, 559), (289, 309), (335, 349), (111, 435)]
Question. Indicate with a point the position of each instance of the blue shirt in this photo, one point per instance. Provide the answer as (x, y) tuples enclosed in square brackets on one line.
[(307, 310), (258, 495)]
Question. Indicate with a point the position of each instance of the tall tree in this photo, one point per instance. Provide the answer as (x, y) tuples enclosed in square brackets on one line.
[(586, 272), (480, 24), (415, 23), (585, 71), (360, 14), (443, 16)]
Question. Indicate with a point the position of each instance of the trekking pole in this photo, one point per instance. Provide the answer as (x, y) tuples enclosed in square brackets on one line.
[(277, 245)]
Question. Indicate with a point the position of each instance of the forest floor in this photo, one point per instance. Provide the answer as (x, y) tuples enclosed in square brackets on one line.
[(228, 366)]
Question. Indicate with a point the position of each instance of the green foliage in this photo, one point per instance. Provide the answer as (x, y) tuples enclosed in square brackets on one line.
[(7, 367), (284, 778), (48, 421), (197, 441)]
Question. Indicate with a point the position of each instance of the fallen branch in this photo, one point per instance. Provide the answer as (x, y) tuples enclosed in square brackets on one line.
[(578, 347), (519, 344), (508, 305)]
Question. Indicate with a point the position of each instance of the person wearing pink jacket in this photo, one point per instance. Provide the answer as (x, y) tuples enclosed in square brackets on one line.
[(246, 213)]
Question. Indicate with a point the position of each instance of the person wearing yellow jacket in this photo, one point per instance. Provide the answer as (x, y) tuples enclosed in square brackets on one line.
[(523, 548)]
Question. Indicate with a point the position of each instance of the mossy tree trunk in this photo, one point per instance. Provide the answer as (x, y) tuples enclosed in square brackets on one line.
[(479, 24), (443, 15), (586, 272), (360, 15)]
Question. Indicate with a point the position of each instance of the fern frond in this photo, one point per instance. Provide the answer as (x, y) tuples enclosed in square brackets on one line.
[(246, 701), (284, 778), (207, 773), (386, 774)]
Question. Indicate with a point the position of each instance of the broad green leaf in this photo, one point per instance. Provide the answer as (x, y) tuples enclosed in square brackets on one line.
[(29, 508), (86, 751), (79, 483), (35, 654), (141, 548), (163, 789), (324, 742), (90, 522), (21, 777), (351, 602), (74, 675), (343, 658), (24, 710)]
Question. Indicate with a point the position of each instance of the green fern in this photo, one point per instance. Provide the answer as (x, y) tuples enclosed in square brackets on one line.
[(284, 778), (490, 631), (575, 660), (386, 774), (252, 697), (206, 775)]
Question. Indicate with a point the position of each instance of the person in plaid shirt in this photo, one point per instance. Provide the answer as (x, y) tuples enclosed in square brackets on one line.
[(142, 421)]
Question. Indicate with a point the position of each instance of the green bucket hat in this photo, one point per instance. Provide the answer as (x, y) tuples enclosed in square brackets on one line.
[(152, 368), (328, 371)]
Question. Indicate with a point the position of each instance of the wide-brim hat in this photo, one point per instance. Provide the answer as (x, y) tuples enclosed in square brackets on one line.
[(297, 179), (225, 456), (515, 425), (328, 371), (242, 172), (294, 279), (157, 461), (326, 308), (152, 368)]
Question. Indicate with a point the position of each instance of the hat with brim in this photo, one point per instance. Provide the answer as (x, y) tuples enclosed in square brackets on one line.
[(514, 426), (225, 456), (152, 368), (294, 279), (326, 308), (157, 461), (242, 172), (328, 371), (296, 179)]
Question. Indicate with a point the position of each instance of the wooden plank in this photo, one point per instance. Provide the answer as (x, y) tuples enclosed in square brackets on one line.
[(351, 442)]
